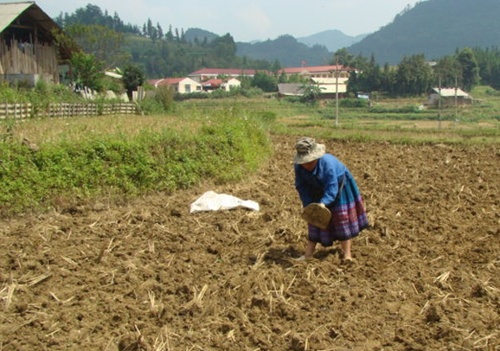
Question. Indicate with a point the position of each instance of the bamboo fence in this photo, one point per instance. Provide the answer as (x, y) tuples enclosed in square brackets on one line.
[(20, 110), (26, 110)]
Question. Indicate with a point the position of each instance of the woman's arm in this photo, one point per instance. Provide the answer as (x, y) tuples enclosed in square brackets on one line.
[(328, 174), (303, 188)]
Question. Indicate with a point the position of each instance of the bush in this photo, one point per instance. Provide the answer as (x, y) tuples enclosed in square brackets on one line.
[(220, 94), (268, 116), (151, 107), (404, 109), (11, 95), (248, 93), (293, 99), (187, 96), (41, 94), (354, 103), (165, 97), (227, 148)]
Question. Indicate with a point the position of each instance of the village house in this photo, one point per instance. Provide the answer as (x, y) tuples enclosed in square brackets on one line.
[(291, 89), (332, 71), (179, 85), (330, 87), (449, 97), (29, 51), (205, 74), (223, 84), (331, 80)]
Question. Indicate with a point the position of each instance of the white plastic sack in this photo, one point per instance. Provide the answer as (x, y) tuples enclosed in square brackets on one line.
[(211, 201)]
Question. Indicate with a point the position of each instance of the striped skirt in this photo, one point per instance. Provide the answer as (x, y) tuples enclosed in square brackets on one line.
[(348, 216)]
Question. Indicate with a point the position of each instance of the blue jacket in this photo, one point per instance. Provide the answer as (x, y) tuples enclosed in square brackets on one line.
[(322, 184)]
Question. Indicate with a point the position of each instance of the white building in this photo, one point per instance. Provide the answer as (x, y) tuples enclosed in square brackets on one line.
[(179, 85)]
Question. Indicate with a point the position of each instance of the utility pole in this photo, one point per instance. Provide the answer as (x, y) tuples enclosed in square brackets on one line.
[(337, 92), (439, 104), (456, 102)]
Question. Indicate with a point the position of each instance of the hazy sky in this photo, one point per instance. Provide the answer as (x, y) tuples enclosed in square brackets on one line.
[(247, 20)]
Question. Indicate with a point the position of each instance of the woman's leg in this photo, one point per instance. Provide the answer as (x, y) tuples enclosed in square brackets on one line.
[(311, 246), (346, 249)]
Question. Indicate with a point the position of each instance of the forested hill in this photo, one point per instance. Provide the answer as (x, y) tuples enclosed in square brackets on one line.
[(173, 52), (434, 28), (287, 50), (160, 52)]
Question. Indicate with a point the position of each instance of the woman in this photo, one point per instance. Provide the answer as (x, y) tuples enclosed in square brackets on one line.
[(322, 178)]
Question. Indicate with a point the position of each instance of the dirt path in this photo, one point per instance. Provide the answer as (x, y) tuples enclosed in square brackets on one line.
[(151, 276)]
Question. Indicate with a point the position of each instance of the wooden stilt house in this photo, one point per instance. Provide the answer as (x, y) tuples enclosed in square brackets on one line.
[(29, 50)]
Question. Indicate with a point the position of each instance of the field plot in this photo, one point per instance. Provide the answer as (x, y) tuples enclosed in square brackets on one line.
[(152, 276)]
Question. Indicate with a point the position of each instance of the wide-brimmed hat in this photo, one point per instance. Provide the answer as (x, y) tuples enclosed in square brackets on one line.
[(308, 150)]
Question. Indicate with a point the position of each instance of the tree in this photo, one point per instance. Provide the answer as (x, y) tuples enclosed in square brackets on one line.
[(282, 77), (311, 93), (360, 62), (246, 82), (224, 46), (297, 78), (370, 79), (343, 56), (446, 71), (133, 77), (103, 43), (87, 71), (89, 14), (389, 79), (170, 34), (470, 69), (159, 30), (264, 81), (413, 76), (488, 61), (276, 67)]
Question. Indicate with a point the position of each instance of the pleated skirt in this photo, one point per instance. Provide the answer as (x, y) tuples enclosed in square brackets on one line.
[(348, 216)]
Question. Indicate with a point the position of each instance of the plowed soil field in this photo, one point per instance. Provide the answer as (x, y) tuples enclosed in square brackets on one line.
[(149, 275)]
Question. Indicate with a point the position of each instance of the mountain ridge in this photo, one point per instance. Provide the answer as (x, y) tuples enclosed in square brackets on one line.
[(332, 39), (315, 49), (434, 28)]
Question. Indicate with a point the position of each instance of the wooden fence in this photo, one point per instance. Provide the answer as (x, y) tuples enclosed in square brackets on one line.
[(26, 110)]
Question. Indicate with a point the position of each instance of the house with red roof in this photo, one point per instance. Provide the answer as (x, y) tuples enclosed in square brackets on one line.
[(331, 79), (332, 71), (205, 74), (179, 85), (225, 84)]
